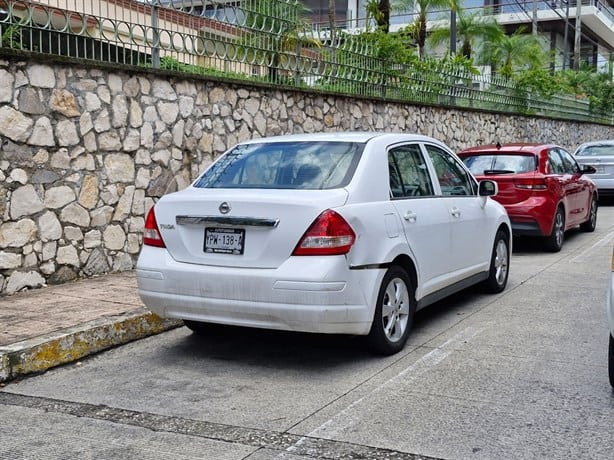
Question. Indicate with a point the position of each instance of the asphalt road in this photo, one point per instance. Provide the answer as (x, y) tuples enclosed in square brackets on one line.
[(519, 375)]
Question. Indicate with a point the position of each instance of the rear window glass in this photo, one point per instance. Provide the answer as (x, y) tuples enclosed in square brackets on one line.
[(284, 165), (595, 151), (500, 164)]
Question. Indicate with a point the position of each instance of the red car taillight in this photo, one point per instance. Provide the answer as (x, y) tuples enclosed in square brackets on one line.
[(329, 234), (531, 184), (151, 233)]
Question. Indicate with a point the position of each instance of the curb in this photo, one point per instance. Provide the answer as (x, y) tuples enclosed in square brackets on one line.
[(68, 345)]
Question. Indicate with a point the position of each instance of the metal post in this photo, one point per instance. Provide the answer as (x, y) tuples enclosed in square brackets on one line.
[(534, 27), (452, 31), (155, 49), (566, 38), (578, 34)]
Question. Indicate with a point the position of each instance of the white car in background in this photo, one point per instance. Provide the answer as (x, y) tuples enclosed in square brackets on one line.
[(345, 233), (600, 155)]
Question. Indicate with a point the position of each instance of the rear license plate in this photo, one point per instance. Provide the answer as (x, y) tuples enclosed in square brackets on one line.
[(224, 240)]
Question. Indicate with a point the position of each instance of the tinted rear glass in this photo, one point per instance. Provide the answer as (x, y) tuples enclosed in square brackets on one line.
[(595, 151), (285, 165), (500, 164)]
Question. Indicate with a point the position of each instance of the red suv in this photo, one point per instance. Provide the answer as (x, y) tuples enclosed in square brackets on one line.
[(541, 186)]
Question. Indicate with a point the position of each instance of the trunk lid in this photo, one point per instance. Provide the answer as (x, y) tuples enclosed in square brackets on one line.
[(260, 228)]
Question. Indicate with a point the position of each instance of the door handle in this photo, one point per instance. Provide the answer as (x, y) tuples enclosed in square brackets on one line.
[(455, 212), (410, 216)]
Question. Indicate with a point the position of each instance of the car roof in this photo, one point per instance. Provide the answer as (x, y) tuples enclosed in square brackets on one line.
[(602, 142), (519, 147), (345, 136)]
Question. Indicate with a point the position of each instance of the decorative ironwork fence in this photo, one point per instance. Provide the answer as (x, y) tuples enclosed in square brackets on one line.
[(264, 40)]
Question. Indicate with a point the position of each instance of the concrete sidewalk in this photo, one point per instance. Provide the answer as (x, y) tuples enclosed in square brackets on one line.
[(54, 325)]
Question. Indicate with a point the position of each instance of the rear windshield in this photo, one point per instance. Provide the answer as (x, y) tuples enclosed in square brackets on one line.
[(500, 164), (595, 150), (285, 165)]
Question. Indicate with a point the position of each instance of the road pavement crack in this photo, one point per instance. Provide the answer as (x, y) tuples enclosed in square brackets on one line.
[(308, 447)]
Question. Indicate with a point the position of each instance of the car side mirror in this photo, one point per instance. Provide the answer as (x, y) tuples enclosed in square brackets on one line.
[(488, 188), (588, 169)]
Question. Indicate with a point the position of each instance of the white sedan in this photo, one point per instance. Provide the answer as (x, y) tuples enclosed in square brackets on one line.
[(344, 233)]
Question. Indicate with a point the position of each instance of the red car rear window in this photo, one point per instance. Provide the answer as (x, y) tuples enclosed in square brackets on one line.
[(500, 163)]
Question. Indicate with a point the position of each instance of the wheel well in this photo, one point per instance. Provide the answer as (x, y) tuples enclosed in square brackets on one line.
[(405, 262), (505, 229)]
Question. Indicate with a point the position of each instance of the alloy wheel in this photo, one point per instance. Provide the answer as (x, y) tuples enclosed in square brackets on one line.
[(395, 309)]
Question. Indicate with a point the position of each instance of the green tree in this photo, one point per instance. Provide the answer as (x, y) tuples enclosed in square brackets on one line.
[(509, 53), (418, 26), (471, 28)]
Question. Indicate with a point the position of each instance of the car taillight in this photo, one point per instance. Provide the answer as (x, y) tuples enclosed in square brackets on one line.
[(530, 184), (151, 233), (329, 234)]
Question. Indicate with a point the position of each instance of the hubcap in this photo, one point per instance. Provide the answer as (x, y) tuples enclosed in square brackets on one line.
[(593, 213), (395, 309), (501, 262), (558, 229)]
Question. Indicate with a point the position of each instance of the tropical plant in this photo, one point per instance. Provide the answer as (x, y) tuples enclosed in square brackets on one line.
[(471, 28), (585, 83), (418, 26), (509, 53)]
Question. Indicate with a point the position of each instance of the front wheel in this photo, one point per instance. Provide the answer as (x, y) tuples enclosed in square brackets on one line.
[(499, 264), (554, 241), (394, 312), (591, 223)]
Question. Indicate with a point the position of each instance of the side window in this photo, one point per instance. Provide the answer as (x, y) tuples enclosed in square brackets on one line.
[(571, 167), (556, 163), (453, 178), (408, 172)]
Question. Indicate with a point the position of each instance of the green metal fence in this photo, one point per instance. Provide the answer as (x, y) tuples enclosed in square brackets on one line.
[(258, 40)]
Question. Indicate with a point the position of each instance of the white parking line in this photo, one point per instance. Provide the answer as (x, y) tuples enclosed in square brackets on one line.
[(343, 419), (606, 240)]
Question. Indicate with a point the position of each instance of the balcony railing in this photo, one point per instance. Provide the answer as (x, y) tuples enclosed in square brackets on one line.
[(258, 40)]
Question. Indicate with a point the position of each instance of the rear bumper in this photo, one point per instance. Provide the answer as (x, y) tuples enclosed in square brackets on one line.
[(307, 294), (532, 217), (526, 228)]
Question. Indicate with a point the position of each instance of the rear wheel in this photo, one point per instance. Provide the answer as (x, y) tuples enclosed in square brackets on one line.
[(499, 264), (591, 223), (554, 241), (394, 312)]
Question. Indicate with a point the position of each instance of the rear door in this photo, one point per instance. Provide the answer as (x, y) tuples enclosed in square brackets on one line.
[(574, 187), (580, 193)]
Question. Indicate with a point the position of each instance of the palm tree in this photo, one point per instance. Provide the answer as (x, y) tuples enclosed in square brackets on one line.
[(331, 19), (422, 8), (470, 28), (279, 30), (520, 50)]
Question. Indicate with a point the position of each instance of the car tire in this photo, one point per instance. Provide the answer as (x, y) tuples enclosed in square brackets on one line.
[(554, 241), (394, 312), (611, 361), (499, 264), (591, 223)]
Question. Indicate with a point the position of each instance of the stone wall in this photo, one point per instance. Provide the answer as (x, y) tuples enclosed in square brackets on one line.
[(85, 151)]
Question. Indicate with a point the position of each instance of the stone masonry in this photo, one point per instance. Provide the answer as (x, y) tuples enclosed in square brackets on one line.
[(86, 151)]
